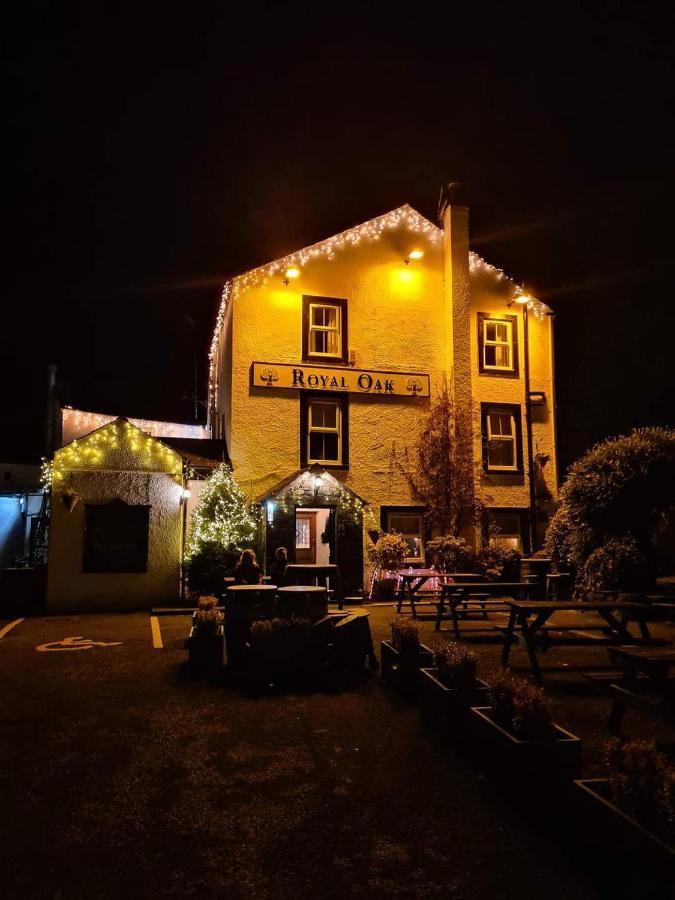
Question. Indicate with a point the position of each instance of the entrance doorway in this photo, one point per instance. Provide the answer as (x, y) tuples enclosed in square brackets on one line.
[(314, 535)]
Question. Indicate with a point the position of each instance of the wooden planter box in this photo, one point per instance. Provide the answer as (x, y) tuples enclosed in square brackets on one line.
[(402, 671), (205, 650), (447, 709), (283, 658), (606, 824), (522, 760)]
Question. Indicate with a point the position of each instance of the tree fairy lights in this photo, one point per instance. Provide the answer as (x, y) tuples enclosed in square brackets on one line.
[(222, 515)]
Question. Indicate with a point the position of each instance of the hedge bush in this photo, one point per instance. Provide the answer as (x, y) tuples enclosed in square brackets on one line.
[(619, 496)]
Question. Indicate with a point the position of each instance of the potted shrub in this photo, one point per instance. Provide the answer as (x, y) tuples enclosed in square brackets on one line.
[(497, 563), (404, 656), (449, 553), (386, 555), (516, 733), (634, 806), (205, 643), (451, 688)]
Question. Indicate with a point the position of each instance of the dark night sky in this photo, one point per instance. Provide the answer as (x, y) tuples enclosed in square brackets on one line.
[(152, 150)]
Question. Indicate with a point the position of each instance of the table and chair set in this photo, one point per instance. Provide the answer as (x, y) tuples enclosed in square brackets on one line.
[(537, 624), (305, 594)]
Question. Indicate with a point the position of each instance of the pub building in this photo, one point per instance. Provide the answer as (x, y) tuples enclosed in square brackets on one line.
[(324, 366)]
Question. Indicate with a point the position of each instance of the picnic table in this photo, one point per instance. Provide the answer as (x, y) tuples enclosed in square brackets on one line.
[(646, 683), (457, 594), (529, 625), (411, 582)]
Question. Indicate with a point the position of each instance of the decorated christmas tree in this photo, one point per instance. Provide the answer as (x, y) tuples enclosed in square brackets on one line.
[(222, 526)]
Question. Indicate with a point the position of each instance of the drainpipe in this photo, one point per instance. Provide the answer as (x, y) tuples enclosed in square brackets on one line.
[(528, 434)]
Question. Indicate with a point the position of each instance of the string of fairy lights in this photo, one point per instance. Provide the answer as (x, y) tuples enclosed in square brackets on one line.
[(100, 449), (309, 487), (404, 216)]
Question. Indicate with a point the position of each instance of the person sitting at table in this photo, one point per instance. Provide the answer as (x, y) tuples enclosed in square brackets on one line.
[(278, 569), (247, 570)]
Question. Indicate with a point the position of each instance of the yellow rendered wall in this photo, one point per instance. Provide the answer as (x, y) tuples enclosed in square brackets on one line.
[(490, 295), (139, 471), (400, 318), (396, 321)]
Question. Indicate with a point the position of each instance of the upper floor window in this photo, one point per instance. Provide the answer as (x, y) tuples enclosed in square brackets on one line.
[(324, 332), (502, 443), (323, 430), (497, 344)]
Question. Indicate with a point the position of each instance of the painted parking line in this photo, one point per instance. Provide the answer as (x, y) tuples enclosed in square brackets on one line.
[(9, 627), (156, 633)]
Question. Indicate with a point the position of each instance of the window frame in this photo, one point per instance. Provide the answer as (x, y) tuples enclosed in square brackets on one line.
[(309, 301), (514, 410), (512, 321), (387, 511), (521, 513), (342, 403)]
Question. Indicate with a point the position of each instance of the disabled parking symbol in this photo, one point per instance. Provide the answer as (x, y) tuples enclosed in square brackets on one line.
[(74, 643)]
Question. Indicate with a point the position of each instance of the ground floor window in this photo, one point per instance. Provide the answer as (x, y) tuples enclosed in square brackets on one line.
[(508, 528), (324, 430), (409, 522)]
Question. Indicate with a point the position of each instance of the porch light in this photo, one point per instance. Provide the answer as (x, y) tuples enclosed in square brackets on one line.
[(291, 272), (186, 493), (522, 299), (317, 482), (414, 254)]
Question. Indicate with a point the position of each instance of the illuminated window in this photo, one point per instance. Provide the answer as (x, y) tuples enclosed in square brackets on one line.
[(302, 534), (324, 329), (506, 528), (501, 438), (409, 524), (498, 344), (324, 432)]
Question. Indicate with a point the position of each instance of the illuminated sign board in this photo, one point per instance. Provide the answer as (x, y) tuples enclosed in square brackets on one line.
[(324, 378)]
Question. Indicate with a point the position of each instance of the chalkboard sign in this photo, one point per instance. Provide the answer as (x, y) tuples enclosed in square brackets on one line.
[(116, 537)]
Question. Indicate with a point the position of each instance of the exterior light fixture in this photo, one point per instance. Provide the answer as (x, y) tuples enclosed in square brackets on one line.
[(186, 493), (414, 254), (317, 482), (291, 272), (522, 299), (270, 511)]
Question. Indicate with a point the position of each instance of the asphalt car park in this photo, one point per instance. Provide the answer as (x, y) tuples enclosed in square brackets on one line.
[(119, 777)]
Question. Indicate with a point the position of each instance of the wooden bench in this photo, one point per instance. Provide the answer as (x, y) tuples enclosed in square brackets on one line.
[(657, 705)]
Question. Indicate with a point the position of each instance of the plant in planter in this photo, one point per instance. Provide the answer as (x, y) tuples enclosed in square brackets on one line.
[(386, 555), (450, 688), (449, 553), (518, 730), (456, 666), (635, 805), (498, 563), (205, 643), (404, 656)]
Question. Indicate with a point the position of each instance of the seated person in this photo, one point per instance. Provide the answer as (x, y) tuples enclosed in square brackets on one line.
[(247, 570), (278, 570)]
